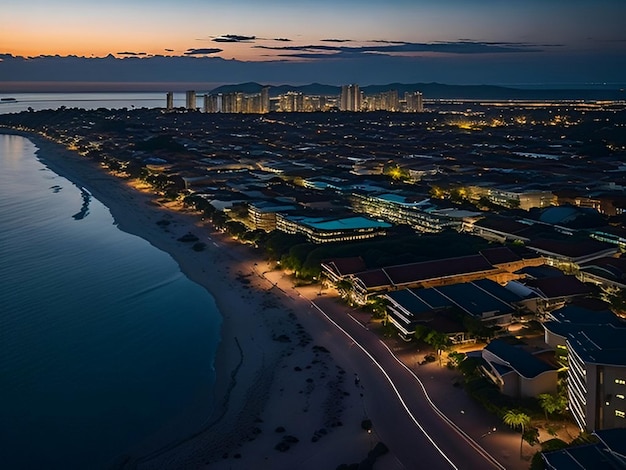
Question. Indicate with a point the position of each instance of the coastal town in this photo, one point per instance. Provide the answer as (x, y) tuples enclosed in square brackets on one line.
[(480, 241)]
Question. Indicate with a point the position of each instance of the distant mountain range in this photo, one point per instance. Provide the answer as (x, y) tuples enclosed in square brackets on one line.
[(439, 91)]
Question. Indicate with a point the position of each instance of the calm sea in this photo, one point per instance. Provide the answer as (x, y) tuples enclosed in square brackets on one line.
[(106, 349), (39, 101)]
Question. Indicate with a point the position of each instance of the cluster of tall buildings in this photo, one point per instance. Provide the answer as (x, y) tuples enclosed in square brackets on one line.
[(351, 99)]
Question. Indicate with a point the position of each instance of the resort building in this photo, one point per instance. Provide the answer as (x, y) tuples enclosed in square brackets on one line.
[(484, 300), (609, 453), (517, 372), (328, 230), (596, 359), (420, 215)]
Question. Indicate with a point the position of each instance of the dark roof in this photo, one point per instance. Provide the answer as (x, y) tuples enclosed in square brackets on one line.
[(373, 278), (344, 266), (578, 315), (571, 248), (540, 272), (433, 298), (474, 300), (500, 255), (562, 286), (415, 272), (614, 439), (497, 290), (609, 268), (523, 362), (599, 344), (409, 301), (502, 224), (590, 457)]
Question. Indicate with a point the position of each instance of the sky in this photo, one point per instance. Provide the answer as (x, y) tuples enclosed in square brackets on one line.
[(330, 41)]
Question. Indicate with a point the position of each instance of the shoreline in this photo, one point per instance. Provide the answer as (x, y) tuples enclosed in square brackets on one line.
[(261, 340)]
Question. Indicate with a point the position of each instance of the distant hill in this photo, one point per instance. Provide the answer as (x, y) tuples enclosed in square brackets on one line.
[(439, 91)]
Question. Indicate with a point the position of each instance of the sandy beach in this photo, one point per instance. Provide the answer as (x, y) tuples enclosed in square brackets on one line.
[(281, 400)]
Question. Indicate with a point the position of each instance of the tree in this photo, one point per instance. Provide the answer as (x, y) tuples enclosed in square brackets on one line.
[(517, 419), (552, 403), (421, 332), (378, 306), (439, 341)]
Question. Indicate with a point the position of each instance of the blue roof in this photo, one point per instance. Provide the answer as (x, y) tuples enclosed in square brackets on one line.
[(409, 301), (350, 223), (497, 290), (589, 457), (523, 362), (433, 298), (474, 300), (575, 314)]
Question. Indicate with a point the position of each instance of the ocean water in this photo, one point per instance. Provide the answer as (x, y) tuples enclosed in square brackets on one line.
[(111, 100), (106, 349)]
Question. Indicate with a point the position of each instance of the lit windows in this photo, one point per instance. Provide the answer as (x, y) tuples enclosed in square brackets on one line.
[(620, 381), (620, 414), (620, 396)]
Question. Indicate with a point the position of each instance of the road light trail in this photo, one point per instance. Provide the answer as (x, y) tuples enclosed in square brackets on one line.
[(393, 386), (462, 433)]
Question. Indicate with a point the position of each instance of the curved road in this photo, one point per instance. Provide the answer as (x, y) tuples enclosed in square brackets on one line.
[(405, 418)]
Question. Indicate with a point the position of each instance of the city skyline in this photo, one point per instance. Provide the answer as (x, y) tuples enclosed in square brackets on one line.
[(514, 43)]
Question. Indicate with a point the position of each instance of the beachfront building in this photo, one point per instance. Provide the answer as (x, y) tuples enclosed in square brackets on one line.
[(420, 215), (517, 372), (434, 307), (262, 214), (499, 264), (331, 229)]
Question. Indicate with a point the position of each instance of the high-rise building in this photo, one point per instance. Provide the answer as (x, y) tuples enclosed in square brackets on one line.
[(265, 99), (350, 98), (414, 102), (169, 101), (190, 100)]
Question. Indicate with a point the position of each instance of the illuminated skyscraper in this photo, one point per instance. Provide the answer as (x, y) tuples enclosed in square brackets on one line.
[(414, 102), (169, 101), (265, 99), (350, 98), (190, 100)]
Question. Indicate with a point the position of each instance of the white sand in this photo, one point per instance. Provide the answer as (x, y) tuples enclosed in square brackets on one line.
[(269, 373)]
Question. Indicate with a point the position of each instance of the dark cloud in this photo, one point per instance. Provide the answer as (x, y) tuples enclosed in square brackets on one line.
[(336, 40), (203, 51), (393, 47), (131, 53), (234, 38), (169, 50), (282, 39)]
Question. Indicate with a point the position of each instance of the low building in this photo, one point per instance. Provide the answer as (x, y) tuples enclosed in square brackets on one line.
[(517, 372), (328, 230), (484, 300), (608, 453)]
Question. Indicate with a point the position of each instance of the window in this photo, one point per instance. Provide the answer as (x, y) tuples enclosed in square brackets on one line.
[(620, 381), (620, 396), (620, 414)]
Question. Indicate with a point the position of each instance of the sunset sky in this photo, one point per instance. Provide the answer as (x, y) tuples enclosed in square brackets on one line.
[(441, 38)]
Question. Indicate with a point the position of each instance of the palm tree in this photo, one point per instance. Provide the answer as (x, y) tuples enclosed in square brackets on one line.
[(439, 341), (517, 419)]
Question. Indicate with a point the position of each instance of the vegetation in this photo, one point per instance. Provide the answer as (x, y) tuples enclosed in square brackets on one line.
[(517, 419)]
